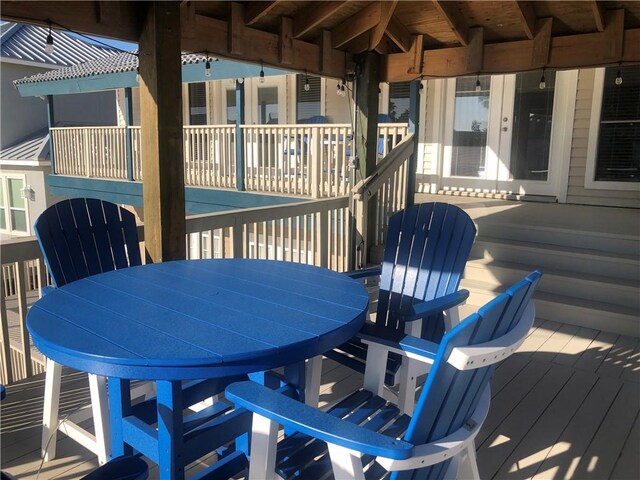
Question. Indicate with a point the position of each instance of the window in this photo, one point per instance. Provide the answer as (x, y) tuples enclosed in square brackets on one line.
[(231, 107), (13, 207), (267, 105), (399, 102), (308, 104), (613, 155), (618, 154), (197, 104)]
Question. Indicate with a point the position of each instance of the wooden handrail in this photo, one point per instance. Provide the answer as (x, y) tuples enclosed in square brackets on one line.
[(385, 168)]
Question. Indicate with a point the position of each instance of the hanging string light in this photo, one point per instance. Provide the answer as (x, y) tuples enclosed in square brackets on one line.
[(478, 86), (543, 82), (261, 72), (307, 87), (48, 48), (338, 90), (619, 77), (207, 68)]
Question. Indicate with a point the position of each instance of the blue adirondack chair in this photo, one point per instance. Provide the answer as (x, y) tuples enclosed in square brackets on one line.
[(366, 436), (426, 250), (78, 238)]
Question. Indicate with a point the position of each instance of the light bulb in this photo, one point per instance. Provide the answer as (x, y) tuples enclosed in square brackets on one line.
[(261, 76), (618, 78), (138, 75), (49, 46), (478, 86), (207, 69), (307, 87), (339, 90), (343, 89), (543, 83)]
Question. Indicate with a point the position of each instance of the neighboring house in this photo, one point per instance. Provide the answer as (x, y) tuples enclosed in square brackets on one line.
[(24, 138)]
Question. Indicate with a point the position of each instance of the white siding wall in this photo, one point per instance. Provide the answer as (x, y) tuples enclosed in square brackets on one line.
[(577, 193)]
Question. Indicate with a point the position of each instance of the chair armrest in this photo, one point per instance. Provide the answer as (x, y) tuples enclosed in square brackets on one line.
[(365, 273), (313, 422), (420, 310), (46, 290)]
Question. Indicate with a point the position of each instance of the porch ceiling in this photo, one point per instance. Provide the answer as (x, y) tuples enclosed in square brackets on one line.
[(416, 38)]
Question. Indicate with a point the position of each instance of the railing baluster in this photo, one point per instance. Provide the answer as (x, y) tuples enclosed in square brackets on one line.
[(22, 313)]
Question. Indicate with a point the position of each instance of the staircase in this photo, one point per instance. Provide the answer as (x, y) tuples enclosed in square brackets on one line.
[(590, 257)]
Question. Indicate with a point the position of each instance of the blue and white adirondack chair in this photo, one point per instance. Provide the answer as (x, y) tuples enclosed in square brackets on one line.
[(426, 250), (368, 437), (78, 238)]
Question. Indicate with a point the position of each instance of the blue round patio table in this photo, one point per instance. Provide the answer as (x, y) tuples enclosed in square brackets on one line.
[(192, 319)]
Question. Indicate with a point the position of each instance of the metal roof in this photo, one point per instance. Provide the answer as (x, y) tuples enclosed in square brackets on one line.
[(26, 43), (33, 149), (118, 63)]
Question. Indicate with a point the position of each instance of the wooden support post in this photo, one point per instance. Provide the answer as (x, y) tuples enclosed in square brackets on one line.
[(414, 127), (161, 133), (366, 148), (51, 120), (128, 121), (240, 161)]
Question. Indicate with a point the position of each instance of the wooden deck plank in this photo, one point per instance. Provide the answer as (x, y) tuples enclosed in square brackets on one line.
[(562, 460), (628, 464), (631, 371), (571, 352), (538, 441), (555, 343), (596, 352), (496, 448), (507, 371), (538, 337), (510, 396), (600, 458), (614, 364)]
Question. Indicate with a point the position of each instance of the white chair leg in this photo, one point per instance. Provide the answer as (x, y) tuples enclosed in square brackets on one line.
[(346, 463), (101, 422), (409, 371), (313, 372), (53, 378), (468, 466), (264, 444)]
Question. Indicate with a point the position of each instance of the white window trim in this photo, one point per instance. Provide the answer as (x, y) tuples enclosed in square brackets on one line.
[(592, 146), (5, 190)]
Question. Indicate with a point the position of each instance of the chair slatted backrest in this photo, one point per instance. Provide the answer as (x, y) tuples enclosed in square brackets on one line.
[(84, 236), (426, 250), (450, 396)]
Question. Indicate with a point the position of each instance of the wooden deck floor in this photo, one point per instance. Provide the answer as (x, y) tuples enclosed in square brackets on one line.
[(566, 406)]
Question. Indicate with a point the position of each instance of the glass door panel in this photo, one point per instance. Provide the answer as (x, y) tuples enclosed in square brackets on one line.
[(532, 119), (470, 124), (268, 105)]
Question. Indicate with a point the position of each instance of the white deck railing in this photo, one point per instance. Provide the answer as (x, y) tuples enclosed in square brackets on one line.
[(302, 160)]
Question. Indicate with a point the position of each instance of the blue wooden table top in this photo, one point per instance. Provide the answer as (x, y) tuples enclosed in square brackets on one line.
[(197, 319)]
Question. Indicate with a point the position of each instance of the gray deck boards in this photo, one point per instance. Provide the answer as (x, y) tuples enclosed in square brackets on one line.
[(566, 406)]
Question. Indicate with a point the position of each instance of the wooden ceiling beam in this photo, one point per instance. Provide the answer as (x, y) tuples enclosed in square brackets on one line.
[(451, 14), (187, 18), (312, 16), (614, 33), (399, 34), (416, 54), (528, 18), (286, 41), (255, 11), (357, 24), (566, 52), (598, 15), (260, 46), (475, 49), (377, 32), (235, 30), (542, 42), (122, 22)]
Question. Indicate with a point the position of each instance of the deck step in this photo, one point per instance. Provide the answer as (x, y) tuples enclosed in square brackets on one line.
[(597, 241), (575, 311), (542, 256), (618, 291)]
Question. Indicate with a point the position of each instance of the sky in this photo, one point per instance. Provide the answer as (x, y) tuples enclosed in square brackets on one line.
[(127, 46)]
